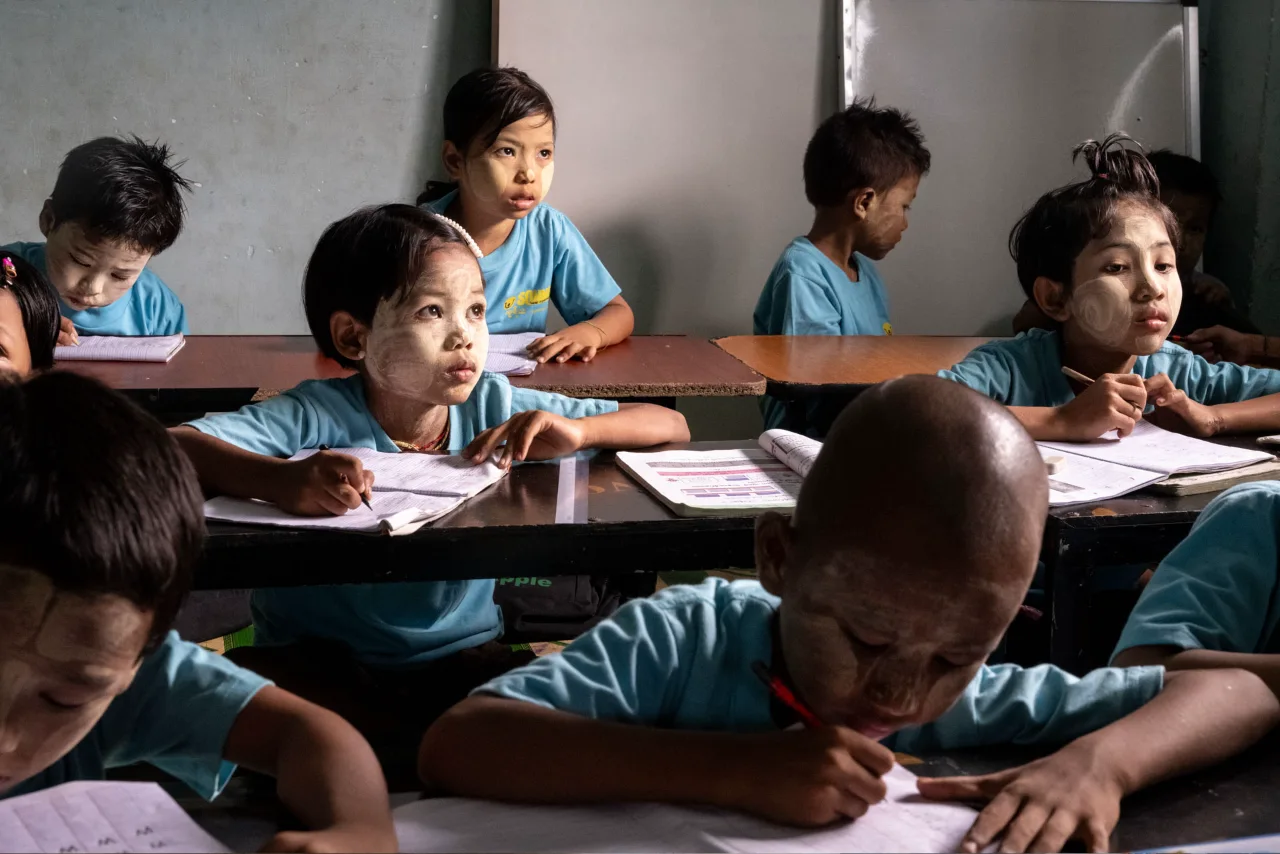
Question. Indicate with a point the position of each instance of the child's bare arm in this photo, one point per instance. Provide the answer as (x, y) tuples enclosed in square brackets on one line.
[(324, 483), (1266, 667), (635, 425), (610, 325), (616, 320), (325, 773), (505, 749), (539, 435), (1200, 717)]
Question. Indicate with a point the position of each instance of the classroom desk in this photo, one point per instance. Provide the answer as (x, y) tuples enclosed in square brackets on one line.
[(508, 530), (218, 373), (800, 366), (1235, 799)]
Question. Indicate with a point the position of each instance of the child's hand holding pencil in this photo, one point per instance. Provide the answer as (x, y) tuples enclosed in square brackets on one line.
[(323, 484)]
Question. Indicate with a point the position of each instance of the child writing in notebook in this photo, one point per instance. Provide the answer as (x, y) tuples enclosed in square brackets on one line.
[(861, 172), (1100, 258), (1215, 600), (28, 317), (116, 204), (880, 634), (499, 151), (97, 545), (396, 293)]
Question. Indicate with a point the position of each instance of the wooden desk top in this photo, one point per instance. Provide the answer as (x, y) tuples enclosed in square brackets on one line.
[(826, 363), (645, 366)]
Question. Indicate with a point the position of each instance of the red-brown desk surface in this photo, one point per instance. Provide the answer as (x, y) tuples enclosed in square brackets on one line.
[(216, 367), (808, 364)]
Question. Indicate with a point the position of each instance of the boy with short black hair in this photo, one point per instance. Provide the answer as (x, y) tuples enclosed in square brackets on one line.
[(861, 172), (97, 544), (115, 205), (881, 630)]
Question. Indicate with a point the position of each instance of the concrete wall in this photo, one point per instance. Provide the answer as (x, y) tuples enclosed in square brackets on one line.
[(1241, 119), (290, 113)]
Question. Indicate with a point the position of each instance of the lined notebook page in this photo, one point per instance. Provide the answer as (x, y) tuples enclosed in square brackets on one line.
[(1154, 449), (424, 474), (509, 364), (108, 348), (101, 817), (516, 344), (903, 822), (391, 512)]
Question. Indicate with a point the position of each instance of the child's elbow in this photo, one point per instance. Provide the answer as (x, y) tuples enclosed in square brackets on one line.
[(446, 752), (1249, 693), (679, 427)]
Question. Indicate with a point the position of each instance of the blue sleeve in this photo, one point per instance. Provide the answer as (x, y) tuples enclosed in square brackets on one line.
[(177, 714), (807, 306), (1215, 589), (277, 427), (523, 399), (165, 312), (1007, 704), (987, 371), (621, 670), (580, 284), (1224, 382)]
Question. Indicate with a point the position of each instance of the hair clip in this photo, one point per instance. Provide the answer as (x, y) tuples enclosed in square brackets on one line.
[(471, 244), (10, 271), (1104, 175)]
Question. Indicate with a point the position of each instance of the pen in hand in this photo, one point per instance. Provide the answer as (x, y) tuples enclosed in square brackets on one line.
[(364, 499)]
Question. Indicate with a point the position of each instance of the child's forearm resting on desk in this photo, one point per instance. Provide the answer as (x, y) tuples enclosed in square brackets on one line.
[(635, 425), (615, 321), (326, 774), (1266, 667), (1248, 416), (227, 470)]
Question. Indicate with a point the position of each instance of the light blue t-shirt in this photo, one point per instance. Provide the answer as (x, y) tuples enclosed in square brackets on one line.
[(388, 625), (147, 308), (176, 716), (807, 294), (682, 659), (1027, 371), (544, 258), (1219, 588)]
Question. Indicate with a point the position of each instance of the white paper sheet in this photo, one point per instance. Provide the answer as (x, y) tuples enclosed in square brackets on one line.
[(1083, 479), (392, 511), (514, 344), (105, 348), (1151, 448), (509, 364), (424, 474), (716, 480), (903, 822), (797, 451), (104, 817)]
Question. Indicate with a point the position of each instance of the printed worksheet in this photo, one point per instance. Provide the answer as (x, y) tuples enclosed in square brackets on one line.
[(392, 513), (694, 482), (423, 474), (797, 451), (903, 822), (1154, 449), (105, 817)]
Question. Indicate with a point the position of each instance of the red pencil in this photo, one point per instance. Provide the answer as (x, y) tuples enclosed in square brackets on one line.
[(784, 695)]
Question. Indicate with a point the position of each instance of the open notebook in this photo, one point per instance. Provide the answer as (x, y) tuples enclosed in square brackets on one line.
[(903, 822), (409, 490), (727, 483), (109, 348), (508, 354), (1110, 467), (101, 817)]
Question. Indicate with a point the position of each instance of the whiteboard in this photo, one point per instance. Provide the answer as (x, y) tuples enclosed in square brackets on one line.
[(1002, 90)]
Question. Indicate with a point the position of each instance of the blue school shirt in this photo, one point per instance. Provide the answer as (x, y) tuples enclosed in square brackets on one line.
[(176, 716), (1219, 588), (387, 625), (807, 294), (544, 260), (682, 659), (1027, 371), (147, 308)]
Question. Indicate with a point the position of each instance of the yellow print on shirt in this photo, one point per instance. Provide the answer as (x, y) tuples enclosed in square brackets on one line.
[(887, 328), (523, 301)]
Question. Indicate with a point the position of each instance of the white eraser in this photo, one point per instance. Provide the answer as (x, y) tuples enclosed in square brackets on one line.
[(1055, 464)]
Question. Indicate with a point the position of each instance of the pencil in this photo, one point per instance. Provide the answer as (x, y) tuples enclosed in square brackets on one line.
[(1076, 375), (784, 695), (364, 499)]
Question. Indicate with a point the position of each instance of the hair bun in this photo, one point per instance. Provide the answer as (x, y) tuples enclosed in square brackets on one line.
[(1126, 167)]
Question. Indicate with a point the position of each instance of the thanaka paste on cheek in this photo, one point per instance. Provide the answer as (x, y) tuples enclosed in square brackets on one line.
[(1101, 307)]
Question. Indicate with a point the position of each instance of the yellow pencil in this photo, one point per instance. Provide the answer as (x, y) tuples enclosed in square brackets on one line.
[(1076, 375)]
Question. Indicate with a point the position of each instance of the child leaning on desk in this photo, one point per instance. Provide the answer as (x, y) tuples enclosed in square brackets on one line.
[(97, 544), (115, 205), (880, 632), (499, 150), (1100, 258), (861, 172), (394, 292)]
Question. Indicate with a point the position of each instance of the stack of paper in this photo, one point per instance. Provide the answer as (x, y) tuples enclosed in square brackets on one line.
[(101, 816), (509, 354), (1111, 467), (106, 348), (409, 490), (903, 822)]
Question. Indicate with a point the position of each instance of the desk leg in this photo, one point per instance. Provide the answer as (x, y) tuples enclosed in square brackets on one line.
[(1068, 570)]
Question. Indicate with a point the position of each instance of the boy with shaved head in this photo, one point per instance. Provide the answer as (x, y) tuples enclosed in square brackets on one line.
[(914, 540)]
